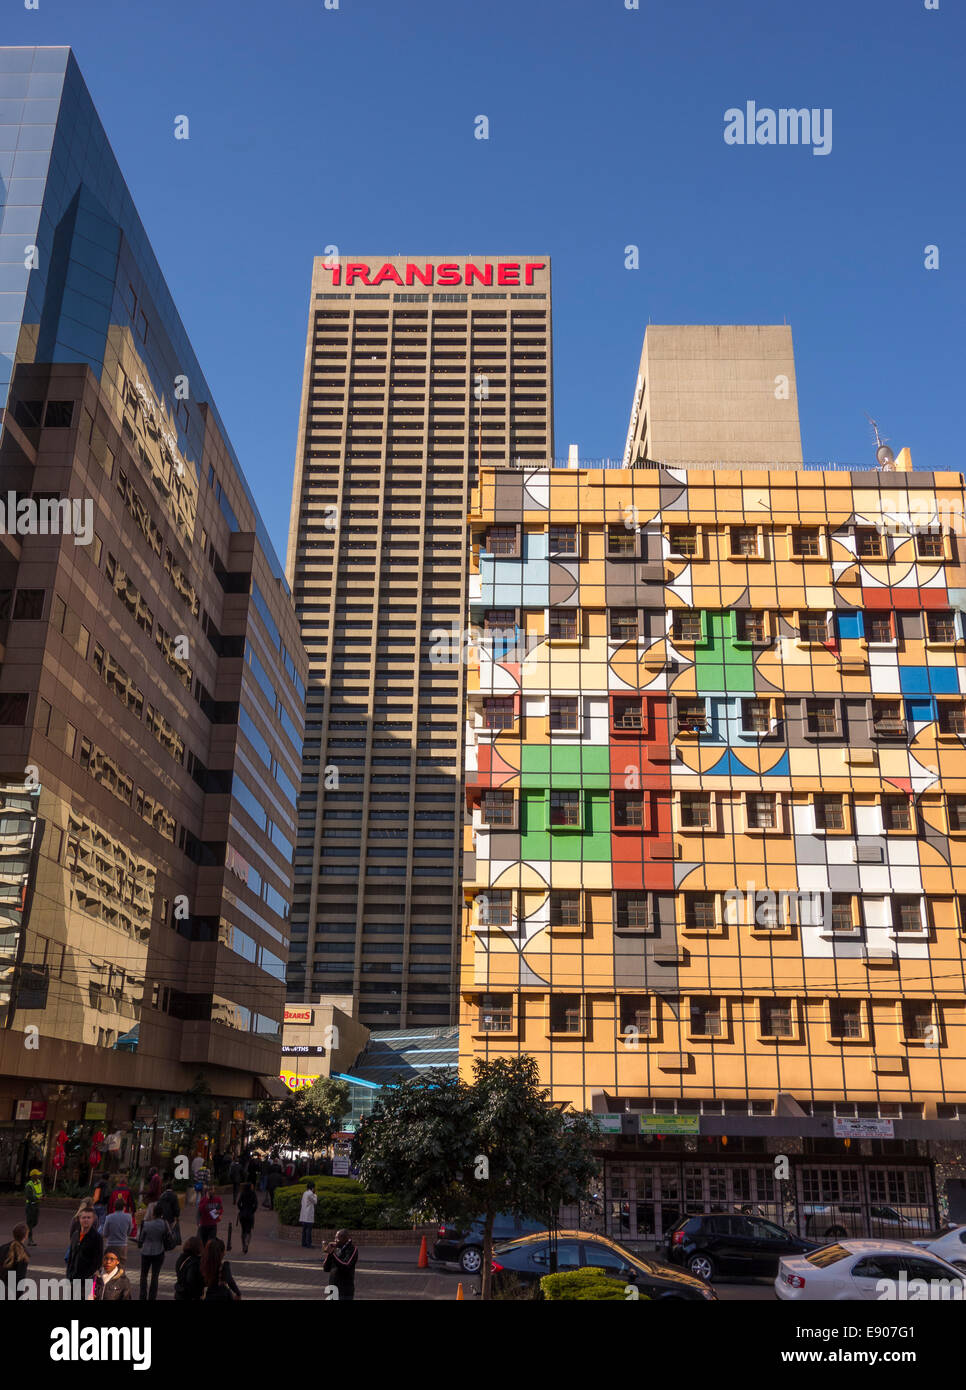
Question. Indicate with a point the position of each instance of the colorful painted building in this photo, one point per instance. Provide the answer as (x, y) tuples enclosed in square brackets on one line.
[(715, 858)]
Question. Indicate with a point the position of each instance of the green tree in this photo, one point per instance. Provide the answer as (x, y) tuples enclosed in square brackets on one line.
[(458, 1151), (303, 1119)]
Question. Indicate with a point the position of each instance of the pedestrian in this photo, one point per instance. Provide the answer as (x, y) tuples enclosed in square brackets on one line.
[(154, 1186), (169, 1207), (13, 1256), (341, 1258), (111, 1284), (33, 1192), (189, 1285), (122, 1189), (197, 1180), (85, 1253), (116, 1230), (236, 1173), (210, 1212), (100, 1197), (307, 1214), (152, 1241), (274, 1181), (86, 1205), (247, 1206), (216, 1273)]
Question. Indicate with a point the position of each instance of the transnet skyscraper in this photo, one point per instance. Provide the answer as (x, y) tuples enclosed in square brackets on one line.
[(417, 369)]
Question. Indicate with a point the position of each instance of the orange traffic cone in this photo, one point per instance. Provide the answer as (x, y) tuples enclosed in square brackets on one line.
[(459, 1294), (423, 1262)]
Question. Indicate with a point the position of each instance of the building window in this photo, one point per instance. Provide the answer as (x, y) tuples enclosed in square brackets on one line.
[(59, 415), (563, 540), (686, 625), (501, 540), (813, 627), (896, 813), (842, 913), (696, 810), (761, 811), (633, 911), (868, 543), (692, 716), (829, 812), (565, 1013), (845, 1019), (495, 908), (565, 808), (629, 808), (705, 1018), (564, 908), (499, 619), (624, 626), (918, 1024), (956, 810), (498, 712), (498, 808), (952, 718), (29, 603), (699, 913), (744, 541), (750, 626), (635, 1013), (628, 714), (929, 545), (821, 717), (564, 714), (683, 540), (887, 717), (755, 717), (776, 1018), (806, 541), (563, 624), (907, 914), (496, 1013), (941, 627), (878, 627), (621, 541)]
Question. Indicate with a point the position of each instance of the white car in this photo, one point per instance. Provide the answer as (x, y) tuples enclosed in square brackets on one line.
[(951, 1246), (868, 1270)]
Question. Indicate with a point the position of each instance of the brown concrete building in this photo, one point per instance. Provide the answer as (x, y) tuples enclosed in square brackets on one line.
[(151, 699), (416, 370), (715, 393)]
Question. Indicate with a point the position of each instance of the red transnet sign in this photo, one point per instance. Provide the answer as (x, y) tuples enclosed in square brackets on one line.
[(436, 273)]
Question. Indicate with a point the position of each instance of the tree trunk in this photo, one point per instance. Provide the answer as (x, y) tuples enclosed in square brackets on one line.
[(486, 1273)]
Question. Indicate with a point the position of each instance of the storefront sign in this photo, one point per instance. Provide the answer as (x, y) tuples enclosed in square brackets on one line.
[(609, 1124), (863, 1129), (340, 1167), (304, 1049), (299, 1081), (238, 1114), (670, 1124), (430, 273), (31, 1110), (182, 1114), (298, 1016), (95, 1110)]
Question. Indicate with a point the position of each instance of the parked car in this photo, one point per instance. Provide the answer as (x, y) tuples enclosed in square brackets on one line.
[(527, 1260), (948, 1245), (465, 1248), (837, 1219), (851, 1271), (731, 1243)]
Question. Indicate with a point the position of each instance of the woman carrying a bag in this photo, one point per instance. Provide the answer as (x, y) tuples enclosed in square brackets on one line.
[(155, 1238), (216, 1272)]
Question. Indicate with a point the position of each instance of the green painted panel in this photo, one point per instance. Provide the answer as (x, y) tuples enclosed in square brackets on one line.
[(565, 765), (536, 842), (721, 667)]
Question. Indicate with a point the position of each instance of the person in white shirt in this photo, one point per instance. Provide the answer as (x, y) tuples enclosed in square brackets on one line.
[(307, 1214)]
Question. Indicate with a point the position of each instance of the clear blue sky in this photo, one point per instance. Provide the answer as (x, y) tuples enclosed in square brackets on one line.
[(355, 127)]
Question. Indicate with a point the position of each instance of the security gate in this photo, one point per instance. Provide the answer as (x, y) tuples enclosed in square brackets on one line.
[(836, 1200), (643, 1200)]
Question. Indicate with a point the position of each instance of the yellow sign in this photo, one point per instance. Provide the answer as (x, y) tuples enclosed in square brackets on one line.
[(297, 1016), (299, 1081)]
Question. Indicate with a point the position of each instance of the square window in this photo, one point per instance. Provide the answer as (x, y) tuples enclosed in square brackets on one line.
[(868, 543), (821, 717), (496, 1013), (683, 540), (621, 541), (686, 626), (565, 1013), (917, 1021), (956, 810), (755, 716), (705, 1018), (624, 626), (744, 540), (59, 415), (878, 627), (829, 813), (635, 1013), (495, 908), (952, 717), (896, 813), (563, 624), (776, 1018), (498, 712), (563, 540), (564, 908), (29, 603), (699, 914), (565, 808), (806, 541), (907, 914), (813, 627), (887, 717), (498, 808), (941, 627), (628, 714), (628, 808), (761, 811), (842, 913), (633, 910), (845, 1018), (692, 716), (750, 626), (564, 714), (929, 545), (696, 810), (500, 619), (501, 540)]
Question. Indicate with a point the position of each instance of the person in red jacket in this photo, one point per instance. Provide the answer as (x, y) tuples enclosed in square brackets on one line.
[(209, 1214)]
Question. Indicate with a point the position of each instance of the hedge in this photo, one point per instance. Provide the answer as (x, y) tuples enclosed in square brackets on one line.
[(589, 1284), (343, 1203)]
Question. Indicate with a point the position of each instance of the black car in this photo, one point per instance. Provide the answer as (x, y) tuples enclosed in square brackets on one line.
[(465, 1248), (731, 1243), (524, 1262)]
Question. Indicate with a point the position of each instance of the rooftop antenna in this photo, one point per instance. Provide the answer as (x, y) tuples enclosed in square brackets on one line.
[(884, 456)]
